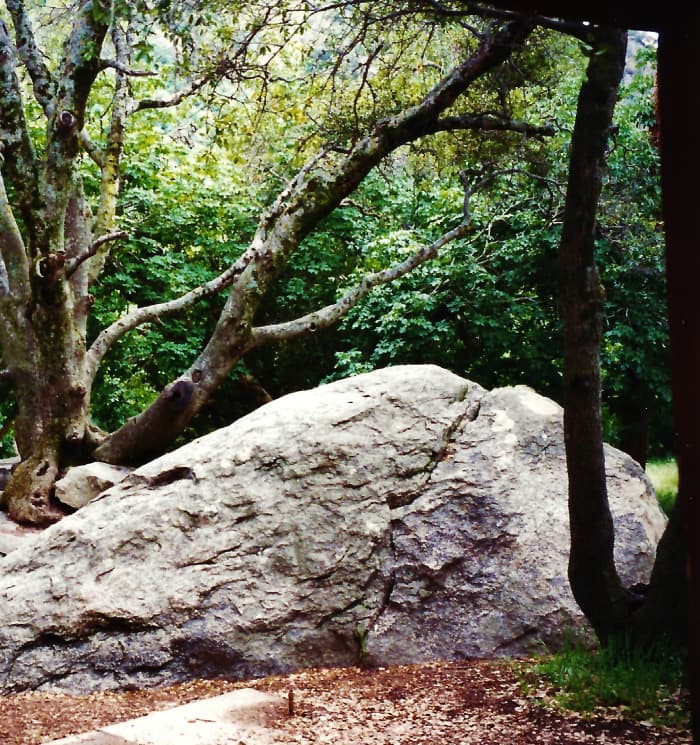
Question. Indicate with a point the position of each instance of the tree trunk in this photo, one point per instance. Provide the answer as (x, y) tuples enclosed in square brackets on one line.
[(52, 397), (52, 389), (610, 608), (679, 109), (594, 580), (45, 230)]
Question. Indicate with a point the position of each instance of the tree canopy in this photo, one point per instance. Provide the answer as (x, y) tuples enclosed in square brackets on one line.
[(206, 204)]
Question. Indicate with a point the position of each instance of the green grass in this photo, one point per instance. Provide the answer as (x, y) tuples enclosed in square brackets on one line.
[(645, 685), (664, 476)]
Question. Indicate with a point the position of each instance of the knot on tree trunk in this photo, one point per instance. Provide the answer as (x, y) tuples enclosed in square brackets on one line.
[(179, 394), (49, 267), (67, 120)]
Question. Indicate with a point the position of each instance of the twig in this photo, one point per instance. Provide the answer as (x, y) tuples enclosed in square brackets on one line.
[(94, 247)]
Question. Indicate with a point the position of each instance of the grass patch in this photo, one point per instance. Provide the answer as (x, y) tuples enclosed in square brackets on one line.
[(663, 474), (641, 684)]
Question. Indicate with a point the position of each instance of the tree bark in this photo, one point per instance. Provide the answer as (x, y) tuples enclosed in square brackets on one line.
[(43, 309), (594, 580), (679, 110)]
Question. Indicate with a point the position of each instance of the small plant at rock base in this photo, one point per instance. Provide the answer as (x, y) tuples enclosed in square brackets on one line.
[(642, 684), (361, 635)]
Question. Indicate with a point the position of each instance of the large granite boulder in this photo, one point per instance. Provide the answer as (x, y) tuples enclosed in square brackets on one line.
[(398, 516)]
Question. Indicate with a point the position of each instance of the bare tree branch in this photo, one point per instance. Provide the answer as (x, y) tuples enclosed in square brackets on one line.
[(491, 122), (176, 98), (573, 28), (225, 66), (94, 151), (330, 314), (149, 313), (126, 70), (73, 264)]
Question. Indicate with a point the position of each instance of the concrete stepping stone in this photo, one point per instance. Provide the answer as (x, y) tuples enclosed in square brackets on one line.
[(229, 719)]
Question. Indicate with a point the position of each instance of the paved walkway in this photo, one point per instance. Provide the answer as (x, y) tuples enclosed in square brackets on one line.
[(230, 719)]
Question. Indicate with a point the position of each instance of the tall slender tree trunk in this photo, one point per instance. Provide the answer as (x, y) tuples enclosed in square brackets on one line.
[(610, 607), (594, 580)]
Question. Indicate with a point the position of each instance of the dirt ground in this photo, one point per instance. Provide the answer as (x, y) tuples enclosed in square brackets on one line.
[(457, 703)]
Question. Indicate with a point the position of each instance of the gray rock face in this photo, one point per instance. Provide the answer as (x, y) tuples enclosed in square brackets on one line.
[(398, 516), (6, 466), (83, 483)]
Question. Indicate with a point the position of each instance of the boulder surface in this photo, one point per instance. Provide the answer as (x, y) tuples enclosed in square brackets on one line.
[(398, 516)]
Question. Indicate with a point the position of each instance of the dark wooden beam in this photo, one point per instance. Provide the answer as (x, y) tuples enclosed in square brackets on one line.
[(679, 114), (649, 16)]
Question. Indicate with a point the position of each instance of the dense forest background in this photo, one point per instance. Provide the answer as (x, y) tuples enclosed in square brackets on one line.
[(195, 179)]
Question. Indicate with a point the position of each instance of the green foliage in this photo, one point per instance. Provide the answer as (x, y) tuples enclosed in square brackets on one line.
[(196, 179), (182, 233), (663, 474), (643, 683), (485, 307), (635, 352), (8, 411)]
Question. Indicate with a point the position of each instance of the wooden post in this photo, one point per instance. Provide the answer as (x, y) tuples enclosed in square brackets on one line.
[(679, 125)]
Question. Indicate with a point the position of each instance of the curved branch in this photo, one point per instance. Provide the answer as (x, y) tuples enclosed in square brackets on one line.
[(123, 69), (224, 67), (138, 317), (573, 28), (73, 264), (330, 314), (94, 151), (176, 98)]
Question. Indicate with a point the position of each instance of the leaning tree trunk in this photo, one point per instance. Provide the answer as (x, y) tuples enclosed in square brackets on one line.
[(316, 191), (594, 580)]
